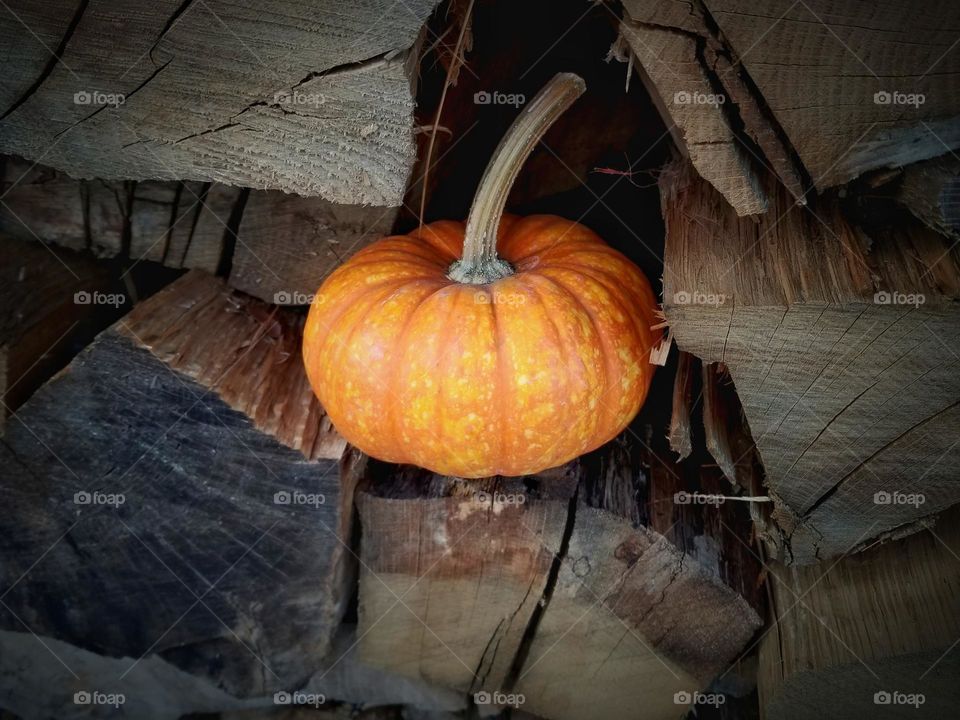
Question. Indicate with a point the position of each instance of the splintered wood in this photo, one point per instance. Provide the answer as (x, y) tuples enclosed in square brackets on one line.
[(841, 349), (317, 101), (246, 351)]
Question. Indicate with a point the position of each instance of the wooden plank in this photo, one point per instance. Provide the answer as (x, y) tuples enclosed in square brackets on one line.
[(306, 97), (868, 637), (232, 527), (839, 346)]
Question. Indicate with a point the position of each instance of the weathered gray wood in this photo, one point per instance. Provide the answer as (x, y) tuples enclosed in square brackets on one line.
[(817, 92), (841, 54), (883, 622), (272, 245), (312, 97), (203, 564), (287, 245), (841, 350), (669, 64)]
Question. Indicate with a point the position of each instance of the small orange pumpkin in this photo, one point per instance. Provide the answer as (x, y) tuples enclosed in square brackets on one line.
[(486, 365)]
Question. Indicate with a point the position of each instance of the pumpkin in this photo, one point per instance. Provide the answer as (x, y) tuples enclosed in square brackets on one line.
[(503, 347)]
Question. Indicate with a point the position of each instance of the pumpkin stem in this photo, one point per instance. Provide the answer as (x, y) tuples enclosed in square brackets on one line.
[(480, 263)]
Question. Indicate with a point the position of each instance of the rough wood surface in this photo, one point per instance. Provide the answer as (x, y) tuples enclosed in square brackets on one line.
[(228, 534), (655, 594), (271, 245), (307, 97), (885, 621), (841, 347), (841, 55), (287, 245), (931, 191), (865, 86), (453, 570), (244, 350), (583, 607), (680, 423), (46, 296), (678, 81)]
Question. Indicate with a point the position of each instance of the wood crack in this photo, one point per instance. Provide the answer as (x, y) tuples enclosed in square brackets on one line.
[(52, 62)]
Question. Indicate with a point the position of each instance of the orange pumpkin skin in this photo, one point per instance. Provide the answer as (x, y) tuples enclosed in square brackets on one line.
[(507, 378)]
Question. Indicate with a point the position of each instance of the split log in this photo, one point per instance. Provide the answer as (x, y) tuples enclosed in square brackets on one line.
[(680, 436), (694, 111), (176, 494), (287, 245), (583, 600), (656, 593), (872, 636), (931, 191), (452, 570), (316, 101), (840, 347), (274, 246), (831, 115), (48, 297)]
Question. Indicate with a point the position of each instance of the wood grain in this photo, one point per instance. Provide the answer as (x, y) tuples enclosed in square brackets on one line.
[(849, 390), (880, 622), (302, 96), (192, 409)]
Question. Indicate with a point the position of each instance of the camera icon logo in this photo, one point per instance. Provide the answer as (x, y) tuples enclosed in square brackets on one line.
[(481, 98), (281, 498), (682, 697)]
